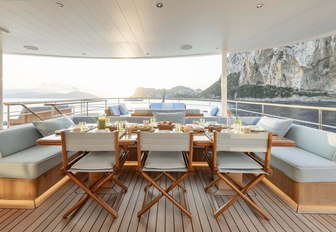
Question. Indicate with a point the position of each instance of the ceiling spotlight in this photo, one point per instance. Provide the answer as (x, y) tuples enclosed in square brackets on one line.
[(159, 5), (186, 47), (59, 5), (260, 5), (29, 47)]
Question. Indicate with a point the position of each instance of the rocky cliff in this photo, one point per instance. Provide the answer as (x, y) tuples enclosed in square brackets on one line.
[(304, 69)]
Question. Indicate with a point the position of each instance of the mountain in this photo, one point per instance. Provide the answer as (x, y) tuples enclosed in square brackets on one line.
[(303, 70), (33, 93), (175, 92)]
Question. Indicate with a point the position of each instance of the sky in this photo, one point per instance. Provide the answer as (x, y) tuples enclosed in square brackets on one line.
[(108, 77)]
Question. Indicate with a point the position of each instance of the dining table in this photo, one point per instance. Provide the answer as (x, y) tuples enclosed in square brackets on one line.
[(202, 141)]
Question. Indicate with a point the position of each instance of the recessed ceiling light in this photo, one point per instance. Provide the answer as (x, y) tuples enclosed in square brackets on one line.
[(29, 47), (59, 5), (260, 5), (159, 5), (186, 47)]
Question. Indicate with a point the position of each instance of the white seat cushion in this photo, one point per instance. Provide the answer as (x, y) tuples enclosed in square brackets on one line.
[(301, 165), (165, 161), (237, 162), (97, 161)]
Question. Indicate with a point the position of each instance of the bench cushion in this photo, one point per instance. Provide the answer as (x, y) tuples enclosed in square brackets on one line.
[(301, 165), (31, 162), (319, 142), (17, 138), (178, 117)]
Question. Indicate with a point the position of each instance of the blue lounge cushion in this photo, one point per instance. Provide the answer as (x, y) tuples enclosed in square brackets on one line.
[(213, 110), (48, 127), (178, 117), (155, 105), (275, 125), (179, 105), (123, 109), (167, 106), (114, 110)]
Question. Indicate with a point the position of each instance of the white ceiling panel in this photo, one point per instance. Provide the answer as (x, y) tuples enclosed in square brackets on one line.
[(137, 28)]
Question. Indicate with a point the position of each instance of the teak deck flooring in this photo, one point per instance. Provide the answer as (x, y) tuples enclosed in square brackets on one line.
[(163, 216)]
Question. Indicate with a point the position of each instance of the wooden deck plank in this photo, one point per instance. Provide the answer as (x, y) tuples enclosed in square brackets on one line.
[(317, 222), (50, 215), (135, 221), (170, 211), (324, 222), (205, 178), (214, 223), (131, 210), (91, 217), (192, 206), (14, 222), (58, 218), (49, 205), (126, 206), (301, 221), (10, 218), (161, 213), (177, 220)]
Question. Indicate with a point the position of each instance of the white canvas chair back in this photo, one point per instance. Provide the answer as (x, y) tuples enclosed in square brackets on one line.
[(165, 141), (252, 142), (103, 141)]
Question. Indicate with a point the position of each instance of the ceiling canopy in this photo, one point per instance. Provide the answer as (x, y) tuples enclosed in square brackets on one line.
[(141, 28)]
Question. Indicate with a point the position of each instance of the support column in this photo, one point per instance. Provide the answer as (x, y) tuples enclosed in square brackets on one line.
[(1, 85), (224, 84)]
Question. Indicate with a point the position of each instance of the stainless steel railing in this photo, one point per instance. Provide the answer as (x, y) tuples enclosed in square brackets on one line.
[(318, 117)]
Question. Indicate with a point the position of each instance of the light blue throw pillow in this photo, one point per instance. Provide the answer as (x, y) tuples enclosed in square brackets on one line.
[(178, 117), (114, 110), (48, 127), (123, 109), (275, 125), (213, 111)]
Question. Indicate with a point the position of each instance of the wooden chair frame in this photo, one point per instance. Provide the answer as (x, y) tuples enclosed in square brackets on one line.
[(90, 190), (241, 191), (176, 182)]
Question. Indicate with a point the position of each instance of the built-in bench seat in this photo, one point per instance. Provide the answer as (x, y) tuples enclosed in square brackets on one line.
[(26, 170), (307, 172)]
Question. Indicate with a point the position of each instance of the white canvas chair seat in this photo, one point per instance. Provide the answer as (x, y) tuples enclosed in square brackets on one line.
[(99, 153), (231, 153), (237, 162), (95, 161), (164, 152), (170, 161)]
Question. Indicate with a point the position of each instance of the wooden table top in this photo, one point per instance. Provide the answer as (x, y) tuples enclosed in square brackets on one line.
[(199, 140)]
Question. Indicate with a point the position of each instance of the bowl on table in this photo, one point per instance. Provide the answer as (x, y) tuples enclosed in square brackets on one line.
[(165, 125)]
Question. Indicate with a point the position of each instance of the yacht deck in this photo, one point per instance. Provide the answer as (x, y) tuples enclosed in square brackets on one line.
[(163, 216)]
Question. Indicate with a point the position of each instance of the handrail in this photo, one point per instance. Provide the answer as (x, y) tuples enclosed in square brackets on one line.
[(86, 106)]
